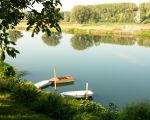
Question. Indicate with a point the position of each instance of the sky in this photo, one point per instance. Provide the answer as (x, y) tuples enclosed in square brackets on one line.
[(67, 5)]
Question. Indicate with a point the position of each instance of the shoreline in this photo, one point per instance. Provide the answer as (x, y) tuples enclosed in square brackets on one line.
[(116, 30), (129, 30)]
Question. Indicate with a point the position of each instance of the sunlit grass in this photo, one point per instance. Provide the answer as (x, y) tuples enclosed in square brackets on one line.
[(10, 110), (145, 34), (24, 117)]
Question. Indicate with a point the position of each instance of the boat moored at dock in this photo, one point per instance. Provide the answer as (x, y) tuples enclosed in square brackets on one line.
[(77, 94), (63, 79)]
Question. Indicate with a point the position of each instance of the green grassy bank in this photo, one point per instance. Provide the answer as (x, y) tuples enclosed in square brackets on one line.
[(144, 34), (11, 110)]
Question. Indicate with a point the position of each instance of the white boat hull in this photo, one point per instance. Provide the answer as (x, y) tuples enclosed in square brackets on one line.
[(77, 94)]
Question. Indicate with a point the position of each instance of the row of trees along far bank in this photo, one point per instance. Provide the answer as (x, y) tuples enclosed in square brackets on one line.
[(118, 12)]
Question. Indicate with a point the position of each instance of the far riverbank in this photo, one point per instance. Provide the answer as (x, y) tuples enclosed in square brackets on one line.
[(116, 29)]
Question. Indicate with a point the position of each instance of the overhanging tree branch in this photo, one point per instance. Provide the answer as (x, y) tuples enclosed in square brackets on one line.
[(11, 13)]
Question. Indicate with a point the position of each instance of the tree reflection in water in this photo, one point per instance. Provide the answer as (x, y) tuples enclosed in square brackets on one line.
[(142, 42), (82, 42), (14, 35), (52, 40)]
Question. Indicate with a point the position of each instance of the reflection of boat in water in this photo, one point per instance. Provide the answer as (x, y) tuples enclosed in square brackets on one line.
[(64, 79), (62, 84), (77, 94), (42, 84)]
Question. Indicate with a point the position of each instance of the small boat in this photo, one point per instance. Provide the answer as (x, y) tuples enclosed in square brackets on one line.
[(63, 79), (77, 94), (42, 83), (55, 80)]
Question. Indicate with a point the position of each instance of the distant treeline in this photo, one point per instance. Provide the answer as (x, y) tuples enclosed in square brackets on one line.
[(119, 12)]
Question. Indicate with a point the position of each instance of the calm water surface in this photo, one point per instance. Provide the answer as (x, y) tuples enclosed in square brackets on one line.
[(117, 69)]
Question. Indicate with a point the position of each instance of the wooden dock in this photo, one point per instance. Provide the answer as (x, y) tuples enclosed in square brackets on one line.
[(42, 83)]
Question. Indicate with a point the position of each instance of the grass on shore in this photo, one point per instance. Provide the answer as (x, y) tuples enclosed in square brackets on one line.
[(102, 29), (10, 110), (88, 31), (98, 24), (145, 34)]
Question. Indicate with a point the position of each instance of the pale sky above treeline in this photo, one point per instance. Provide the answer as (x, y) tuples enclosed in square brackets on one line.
[(67, 5)]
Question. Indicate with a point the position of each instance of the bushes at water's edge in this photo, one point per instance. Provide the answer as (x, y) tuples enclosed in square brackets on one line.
[(52, 104), (138, 111), (6, 70), (144, 34), (7, 77), (7, 84), (24, 92)]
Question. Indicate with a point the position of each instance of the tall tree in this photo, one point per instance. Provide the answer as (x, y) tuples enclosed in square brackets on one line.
[(81, 14), (66, 16), (12, 12), (145, 12)]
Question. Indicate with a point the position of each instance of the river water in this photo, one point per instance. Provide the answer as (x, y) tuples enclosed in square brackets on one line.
[(116, 68)]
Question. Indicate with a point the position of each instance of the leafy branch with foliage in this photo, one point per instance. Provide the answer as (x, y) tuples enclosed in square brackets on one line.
[(12, 12)]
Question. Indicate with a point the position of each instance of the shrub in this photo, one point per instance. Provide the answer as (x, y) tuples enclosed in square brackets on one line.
[(3, 85), (86, 116), (25, 92), (110, 116), (139, 111), (41, 104), (145, 34), (7, 84), (111, 113), (6, 70), (86, 110), (53, 105), (146, 21), (61, 109), (91, 107)]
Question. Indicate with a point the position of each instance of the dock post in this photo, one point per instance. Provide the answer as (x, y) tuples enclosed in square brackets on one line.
[(86, 90), (55, 78)]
